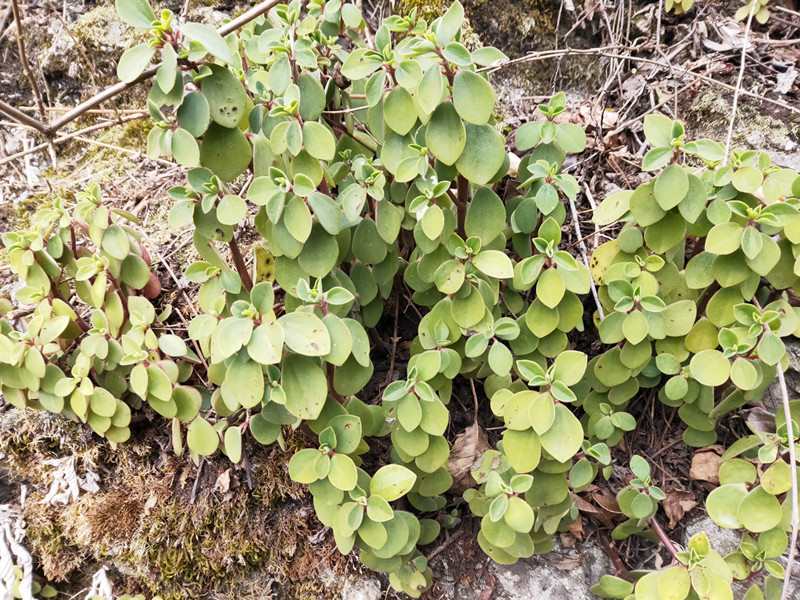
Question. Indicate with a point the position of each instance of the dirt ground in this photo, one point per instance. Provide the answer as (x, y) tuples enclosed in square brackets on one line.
[(251, 532)]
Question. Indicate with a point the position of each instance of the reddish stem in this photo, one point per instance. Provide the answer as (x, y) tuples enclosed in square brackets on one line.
[(241, 267)]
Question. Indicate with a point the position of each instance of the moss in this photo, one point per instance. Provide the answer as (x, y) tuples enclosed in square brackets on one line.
[(709, 116), (231, 542), (101, 28), (428, 9)]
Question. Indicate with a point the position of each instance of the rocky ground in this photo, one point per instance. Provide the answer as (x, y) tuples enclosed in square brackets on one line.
[(150, 519)]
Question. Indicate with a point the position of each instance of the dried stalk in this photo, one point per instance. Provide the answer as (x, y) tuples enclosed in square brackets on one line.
[(120, 87), (738, 90), (793, 470), (23, 59)]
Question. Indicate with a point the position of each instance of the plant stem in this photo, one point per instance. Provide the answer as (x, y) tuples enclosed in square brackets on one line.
[(461, 204), (738, 90), (23, 59), (663, 538), (238, 261), (793, 471)]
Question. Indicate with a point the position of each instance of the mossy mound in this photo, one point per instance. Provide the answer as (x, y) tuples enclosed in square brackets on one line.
[(159, 529)]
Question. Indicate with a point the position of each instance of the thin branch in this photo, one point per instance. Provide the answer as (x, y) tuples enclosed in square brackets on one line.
[(585, 253), (120, 87), (664, 538), (238, 261), (604, 51), (73, 135), (22, 118), (793, 471), (23, 59), (737, 91)]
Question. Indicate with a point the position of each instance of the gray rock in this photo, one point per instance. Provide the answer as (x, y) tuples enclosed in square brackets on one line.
[(60, 56), (361, 589), (722, 540), (773, 398), (564, 574)]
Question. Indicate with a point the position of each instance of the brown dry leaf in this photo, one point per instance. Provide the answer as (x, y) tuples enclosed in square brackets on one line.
[(606, 500), (705, 467), (677, 504), (468, 448), (584, 506), (576, 529)]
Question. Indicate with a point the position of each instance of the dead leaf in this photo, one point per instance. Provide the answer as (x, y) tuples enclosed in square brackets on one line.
[(223, 482), (705, 467), (677, 504), (467, 450), (576, 529)]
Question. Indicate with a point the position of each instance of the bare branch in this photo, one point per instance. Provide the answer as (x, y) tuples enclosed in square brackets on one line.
[(23, 59), (120, 87)]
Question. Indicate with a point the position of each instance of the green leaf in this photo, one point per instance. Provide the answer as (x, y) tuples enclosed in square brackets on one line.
[(500, 358), (486, 215), (519, 515), (450, 23), (674, 583), (361, 63), (115, 242), (494, 263), (225, 151), (523, 450), (185, 148), (710, 367), (232, 443), (297, 219), (445, 134), (569, 367), (483, 155), (202, 438), (343, 474), (391, 482), (777, 479), (266, 343), (231, 210), (102, 403), (550, 288), (172, 345), (225, 95), (194, 114), (759, 511), (168, 69), (303, 466), (305, 333), (230, 335), (318, 140), (724, 238), (136, 13), (243, 385), (671, 186), (399, 111), (612, 208), (473, 97), (747, 179), (305, 385), (635, 327), (564, 438), (210, 40), (723, 503), (134, 61), (658, 130)]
